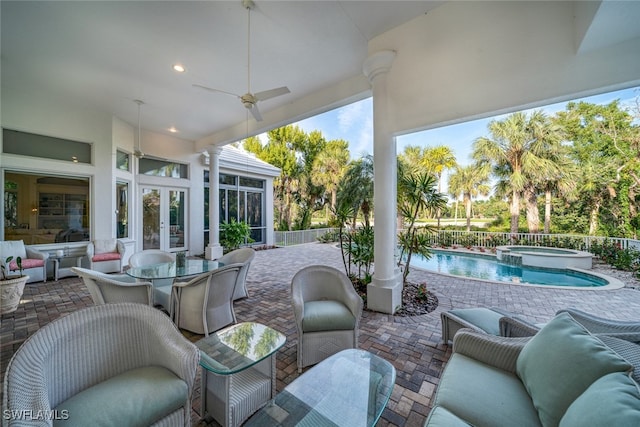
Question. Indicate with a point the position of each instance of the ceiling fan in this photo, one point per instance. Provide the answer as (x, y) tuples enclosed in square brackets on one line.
[(250, 100)]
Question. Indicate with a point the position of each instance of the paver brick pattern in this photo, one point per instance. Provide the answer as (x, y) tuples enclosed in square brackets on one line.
[(412, 344)]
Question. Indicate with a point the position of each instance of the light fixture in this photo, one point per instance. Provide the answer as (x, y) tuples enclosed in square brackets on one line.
[(179, 68), (74, 159), (172, 129), (138, 150)]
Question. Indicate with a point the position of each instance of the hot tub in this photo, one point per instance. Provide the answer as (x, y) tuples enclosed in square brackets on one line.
[(540, 256)]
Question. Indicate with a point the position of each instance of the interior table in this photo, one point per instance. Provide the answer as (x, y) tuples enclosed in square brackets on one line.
[(350, 389), (238, 371)]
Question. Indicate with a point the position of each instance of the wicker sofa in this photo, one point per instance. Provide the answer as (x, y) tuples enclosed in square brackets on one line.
[(563, 376)]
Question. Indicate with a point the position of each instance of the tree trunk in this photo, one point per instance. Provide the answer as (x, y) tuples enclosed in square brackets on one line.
[(533, 215), (593, 218), (467, 205), (547, 212), (514, 210)]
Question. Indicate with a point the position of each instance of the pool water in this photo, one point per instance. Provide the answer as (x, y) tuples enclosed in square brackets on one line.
[(487, 268)]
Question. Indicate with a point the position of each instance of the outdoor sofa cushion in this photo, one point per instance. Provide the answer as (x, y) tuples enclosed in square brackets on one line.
[(26, 263), (327, 315), (138, 397), (440, 417), (107, 256), (483, 395), (613, 400), (484, 318), (560, 362)]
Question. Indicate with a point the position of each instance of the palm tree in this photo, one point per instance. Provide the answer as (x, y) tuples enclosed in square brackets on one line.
[(516, 152), (470, 181), (329, 167), (356, 188), (436, 160)]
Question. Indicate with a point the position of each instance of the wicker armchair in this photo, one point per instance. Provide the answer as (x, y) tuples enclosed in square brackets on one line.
[(242, 256), (327, 310), (113, 288), (161, 287), (105, 255), (34, 262), (76, 363), (204, 304)]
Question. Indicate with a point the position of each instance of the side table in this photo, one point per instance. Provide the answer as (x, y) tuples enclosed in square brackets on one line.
[(238, 371), (59, 271)]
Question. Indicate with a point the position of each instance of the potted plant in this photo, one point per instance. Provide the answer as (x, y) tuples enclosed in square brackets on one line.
[(11, 286)]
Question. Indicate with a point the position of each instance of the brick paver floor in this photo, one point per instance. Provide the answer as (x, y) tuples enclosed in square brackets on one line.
[(412, 344)]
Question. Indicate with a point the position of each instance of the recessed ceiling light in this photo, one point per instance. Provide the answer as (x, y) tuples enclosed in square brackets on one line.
[(179, 68), (173, 130)]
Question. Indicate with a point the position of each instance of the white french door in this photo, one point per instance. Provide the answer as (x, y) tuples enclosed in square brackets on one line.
[(163, 222)]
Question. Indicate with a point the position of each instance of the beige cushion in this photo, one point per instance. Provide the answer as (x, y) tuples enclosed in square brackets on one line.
[(105, 245), (14, 248)]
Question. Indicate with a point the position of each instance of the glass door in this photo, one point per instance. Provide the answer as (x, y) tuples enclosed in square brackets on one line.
[(163, 218)]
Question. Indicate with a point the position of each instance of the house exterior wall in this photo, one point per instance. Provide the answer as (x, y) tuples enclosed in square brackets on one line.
[(27, 112)]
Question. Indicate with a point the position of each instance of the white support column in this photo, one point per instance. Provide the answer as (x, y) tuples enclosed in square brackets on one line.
[(384, 294), (214, 250)]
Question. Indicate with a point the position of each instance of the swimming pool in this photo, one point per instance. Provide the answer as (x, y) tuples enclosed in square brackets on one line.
[(486, 267)]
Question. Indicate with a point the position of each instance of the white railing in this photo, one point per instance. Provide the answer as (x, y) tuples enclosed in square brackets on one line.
[(298, 237), (492, 239), (475, 238)]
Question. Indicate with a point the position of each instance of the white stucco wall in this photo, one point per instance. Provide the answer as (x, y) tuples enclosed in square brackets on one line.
[(29, 112)]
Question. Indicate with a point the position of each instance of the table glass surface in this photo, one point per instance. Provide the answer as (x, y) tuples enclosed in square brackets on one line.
[(238, 347), (168, 270), (350, 388)]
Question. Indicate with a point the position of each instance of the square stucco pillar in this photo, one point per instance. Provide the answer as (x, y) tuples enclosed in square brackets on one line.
[(384, 294)]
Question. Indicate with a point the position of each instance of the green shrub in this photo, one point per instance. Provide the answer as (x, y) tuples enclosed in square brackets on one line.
[(234, 234)]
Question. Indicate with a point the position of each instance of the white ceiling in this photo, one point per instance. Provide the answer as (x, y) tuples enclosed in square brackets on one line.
[(106, 54)]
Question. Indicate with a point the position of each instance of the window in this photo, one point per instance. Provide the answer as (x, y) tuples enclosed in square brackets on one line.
[(158, 167), (33, 145), (241, 198), (43, 209), (122, 209), (10, 204), (123, 161)]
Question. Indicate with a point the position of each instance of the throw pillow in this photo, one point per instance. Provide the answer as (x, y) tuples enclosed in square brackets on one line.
[(613, 400), (560, 362)]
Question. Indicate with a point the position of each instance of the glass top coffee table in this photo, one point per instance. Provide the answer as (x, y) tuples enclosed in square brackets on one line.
[(239, 371), (350, 388)]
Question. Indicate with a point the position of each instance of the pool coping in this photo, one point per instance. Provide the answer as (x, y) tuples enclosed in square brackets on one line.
[(613, 283)]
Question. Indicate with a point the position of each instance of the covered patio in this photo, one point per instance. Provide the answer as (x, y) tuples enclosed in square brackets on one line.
[(80, 70), (412, 344)]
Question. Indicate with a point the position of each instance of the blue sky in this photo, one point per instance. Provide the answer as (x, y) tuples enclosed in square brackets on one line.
[(354, 123)]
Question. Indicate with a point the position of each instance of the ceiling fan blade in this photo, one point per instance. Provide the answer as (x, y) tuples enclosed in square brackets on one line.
[(216, 90), (256, 113), (272, 93)]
